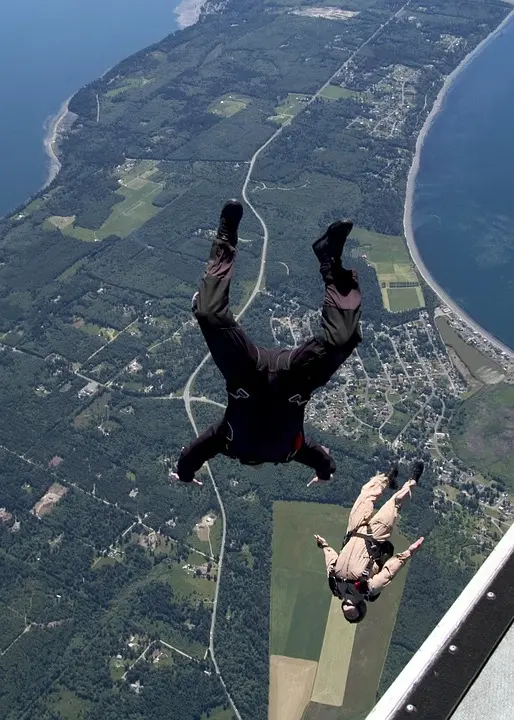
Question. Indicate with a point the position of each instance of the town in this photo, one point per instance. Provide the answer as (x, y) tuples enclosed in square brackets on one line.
[(399, 390)]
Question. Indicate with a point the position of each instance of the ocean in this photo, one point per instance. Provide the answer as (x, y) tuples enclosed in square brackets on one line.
[(48, 50), (463, 211)]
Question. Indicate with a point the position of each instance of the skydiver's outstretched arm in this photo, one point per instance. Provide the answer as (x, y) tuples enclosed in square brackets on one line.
[(316, 457), (206, 446)]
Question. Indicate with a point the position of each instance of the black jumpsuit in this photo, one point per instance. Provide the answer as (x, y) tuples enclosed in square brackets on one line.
[(268, 389)]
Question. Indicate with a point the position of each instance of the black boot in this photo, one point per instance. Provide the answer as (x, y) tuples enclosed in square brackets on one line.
[(230, 217), (417, 470), (330, 246), (392, 475)]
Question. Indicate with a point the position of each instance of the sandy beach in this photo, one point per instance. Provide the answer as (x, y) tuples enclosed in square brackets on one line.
[(411, 186), (50, 141), (188, 12)]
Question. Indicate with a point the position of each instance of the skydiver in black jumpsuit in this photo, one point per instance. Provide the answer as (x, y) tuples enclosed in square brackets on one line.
[(268, 389)]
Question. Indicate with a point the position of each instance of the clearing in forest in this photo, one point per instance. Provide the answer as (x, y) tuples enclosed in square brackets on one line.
[(127, 83), (93, 414), (289, 107), (61, 221), (337, 92), (138, 192), (45, 505), (397, 278), (327, 13), (229, 104), (203, 528)]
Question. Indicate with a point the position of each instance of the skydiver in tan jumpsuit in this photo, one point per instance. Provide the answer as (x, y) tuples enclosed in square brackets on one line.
[(356, 574)]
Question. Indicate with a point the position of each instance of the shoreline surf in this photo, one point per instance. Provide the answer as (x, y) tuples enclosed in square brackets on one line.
[(51, 138), (411, 187), (188, 12)]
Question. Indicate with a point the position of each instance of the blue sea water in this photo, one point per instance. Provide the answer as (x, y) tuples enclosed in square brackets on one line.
[(48, 50), (463, 213)]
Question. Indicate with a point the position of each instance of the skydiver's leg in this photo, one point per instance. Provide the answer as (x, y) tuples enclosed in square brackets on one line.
[(381, 525), (362, 509), (317, 359), (232, 351), (383, 522)]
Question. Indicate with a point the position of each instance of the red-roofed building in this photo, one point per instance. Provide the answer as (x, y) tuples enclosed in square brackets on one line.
[(55, 462)]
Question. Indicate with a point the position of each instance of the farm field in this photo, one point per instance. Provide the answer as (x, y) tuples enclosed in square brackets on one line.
[(135, 209), (318, 662), (405, 298), (299, 592), (289, 107), (396, 274), (336, 92), (229, 104)]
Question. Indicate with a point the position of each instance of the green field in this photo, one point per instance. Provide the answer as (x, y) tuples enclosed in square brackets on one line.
[(289, 107), (389, 256), (127, 84), (300, 597), (117, 668), (187, 586), (479, 365), (215, 534), (229, 104), (136, 208), (94, 413), (336, 92), (68, 705), (483, 431), (408, 298), (335, 659), (219, 714)]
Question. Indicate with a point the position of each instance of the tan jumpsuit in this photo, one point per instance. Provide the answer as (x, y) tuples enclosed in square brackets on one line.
[(354, 560)]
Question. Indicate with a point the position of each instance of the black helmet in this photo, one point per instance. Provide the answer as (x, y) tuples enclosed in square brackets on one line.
[(361, 607)]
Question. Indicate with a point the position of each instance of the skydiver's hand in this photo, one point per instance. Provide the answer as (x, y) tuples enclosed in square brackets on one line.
[(317, 481), (416, 545), (194, 481), (320, 541)]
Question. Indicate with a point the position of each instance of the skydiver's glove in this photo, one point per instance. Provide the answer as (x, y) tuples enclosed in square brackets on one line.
[(318, 480), (193, 480)]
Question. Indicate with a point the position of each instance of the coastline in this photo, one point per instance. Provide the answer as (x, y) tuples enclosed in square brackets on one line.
[(50, 141), (188, 12), (411, 186)]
